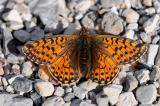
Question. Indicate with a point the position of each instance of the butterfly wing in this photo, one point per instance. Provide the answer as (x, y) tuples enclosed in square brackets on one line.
[(111, 53), (54, 52), (123, 50)]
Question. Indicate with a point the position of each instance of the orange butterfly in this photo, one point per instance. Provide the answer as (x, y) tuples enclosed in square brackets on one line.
[(71, 57)]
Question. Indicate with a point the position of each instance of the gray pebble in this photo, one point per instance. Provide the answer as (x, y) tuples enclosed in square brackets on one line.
[(22, 84), (136, 4), (112, 24), (86, 103), (14, 100), (156, 39), (68, 97), (59, 91), (27, 69), (131, 83), (127, 99), (146, 94), (22, 35), (76, 102), (80, 92), (37, 33), (11, 58), (101, 99), (53, 101), (36, 98), (147, 2), (155, 74)]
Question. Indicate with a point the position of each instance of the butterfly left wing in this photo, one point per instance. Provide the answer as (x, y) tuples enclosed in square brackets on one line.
[(55, 52)]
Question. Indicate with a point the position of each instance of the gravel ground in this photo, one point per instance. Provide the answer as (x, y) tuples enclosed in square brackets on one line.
[(25, 83)]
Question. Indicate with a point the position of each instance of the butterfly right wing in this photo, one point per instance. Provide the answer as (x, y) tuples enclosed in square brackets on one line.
[(55, 52)]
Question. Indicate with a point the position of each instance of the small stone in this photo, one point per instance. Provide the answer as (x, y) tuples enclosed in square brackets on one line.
[(136, 4), (130, 15), (130, 34), (155, 74), (27, 69), (145, 38), (72, 28), (10, 89), (86, 103), (19, 1), (51, 12), (76, 102), (5, 82), (1, 70), (15, 70), (152, 52), (59, 91), (112, 91), (68, 90), (150, 11), (156, 4), (156, 39), (81, 6), (142, 76), (146, 94), (151, 24), (112, 24), (132, 26), (24, 11), (36, 98), (16, 22), (80, 92), (44, 88), (88, 85), (22, 35), (11, 58), (68, 97), (157, 60), (102, 100), (147, 2), (127, 99), (42, 73), (53, 101), (15, 100), (37, 33), (131, 83), (117, 3), (22, 84)]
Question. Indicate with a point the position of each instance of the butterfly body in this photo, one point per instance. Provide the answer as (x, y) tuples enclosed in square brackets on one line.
[(96, 57)]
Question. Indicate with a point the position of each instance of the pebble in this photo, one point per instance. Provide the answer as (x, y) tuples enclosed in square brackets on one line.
[(156, 39), (127, 99), (86, 103), (136, 4), (45, 89), (7, 37), (80, 92), (11, 58), (155, 74), (4, 82), (72, 28), (15, 70), (50, 12), (132, 26), (42, 73), (36, 98), (146, 94), (59, 91), (152, 52), (76, 102), (150, 11), (27, 69), (37, 33), (145, 38), (24, 11), (22, 35), (16, 22), (130, 15), (102, 100), (22, 84), (112, 24), (15, 100), (131, 83), (117, 3), (157, 60), (142, 76), (53, 101), (10, 89), (88, 85), (147, 2), (81, 6), (130, 34), (156, 4), (112, 91), (1, 70), (151, 24), (68, 97)]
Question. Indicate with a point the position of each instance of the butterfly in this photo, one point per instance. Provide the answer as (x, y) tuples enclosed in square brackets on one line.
[(84, 55)]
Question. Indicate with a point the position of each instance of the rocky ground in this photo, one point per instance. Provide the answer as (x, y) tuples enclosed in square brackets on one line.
[(24, 83)]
